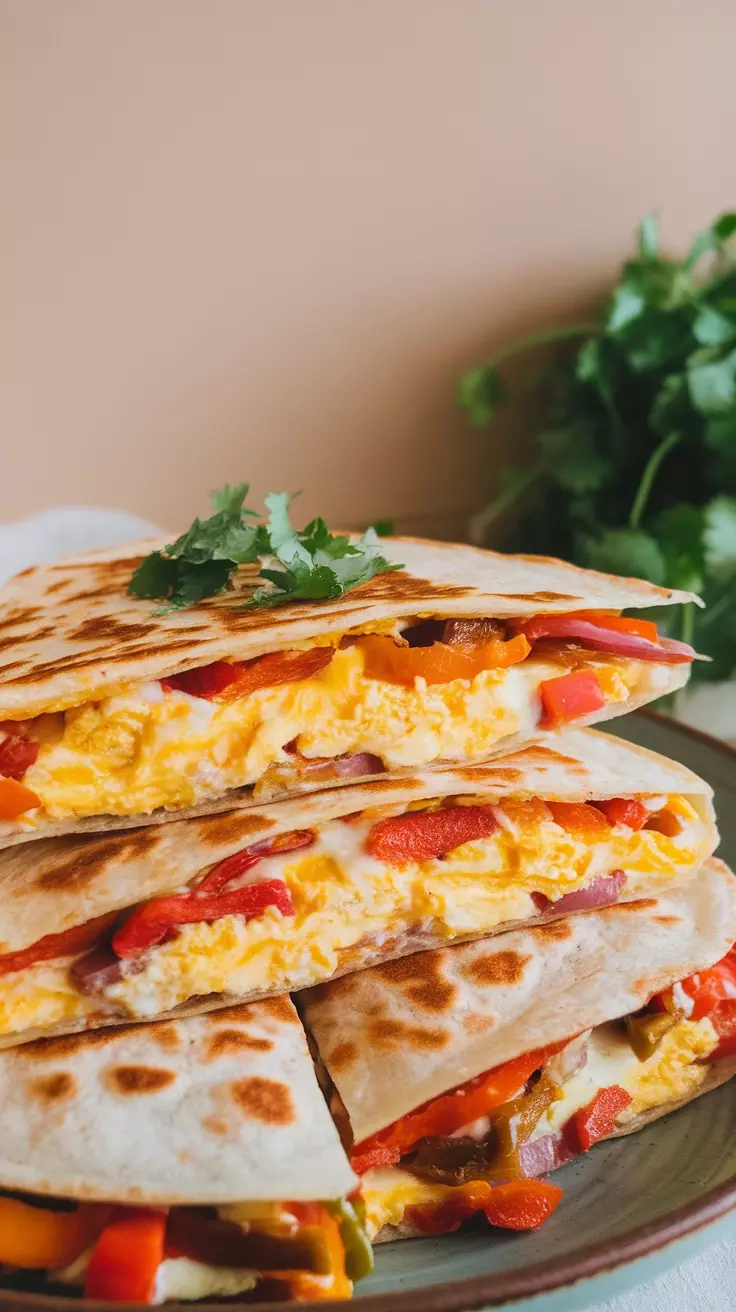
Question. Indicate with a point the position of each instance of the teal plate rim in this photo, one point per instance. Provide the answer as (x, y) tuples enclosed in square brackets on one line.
[(497, 1288)]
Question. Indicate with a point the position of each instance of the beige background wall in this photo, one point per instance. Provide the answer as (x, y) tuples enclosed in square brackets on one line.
[(259, 238)]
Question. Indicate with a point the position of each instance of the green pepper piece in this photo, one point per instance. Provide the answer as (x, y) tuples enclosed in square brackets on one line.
[(514, 1122), (358, 1250), (646, 1032)]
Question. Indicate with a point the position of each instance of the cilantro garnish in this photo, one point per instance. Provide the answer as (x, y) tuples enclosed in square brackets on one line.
[(309, 564), (635, 463)]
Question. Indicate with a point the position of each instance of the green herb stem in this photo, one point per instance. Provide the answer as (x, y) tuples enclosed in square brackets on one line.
[(480, 523), (546, 338), (651, 468)]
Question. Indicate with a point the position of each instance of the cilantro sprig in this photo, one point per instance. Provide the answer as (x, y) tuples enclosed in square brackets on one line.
[(635, 465), (309, 564)]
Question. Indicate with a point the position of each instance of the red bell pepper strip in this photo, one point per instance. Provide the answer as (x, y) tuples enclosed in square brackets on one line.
[(569, 697), (707, 989), (724, 1023), (624, 811), (17, 754), (234, 866), (67, 944), (522, 1204), (443, 1115), (224, 681), (153, 922), (422, 835), (598, 1119), (618, 623), (518, 1205), (127, 1256)]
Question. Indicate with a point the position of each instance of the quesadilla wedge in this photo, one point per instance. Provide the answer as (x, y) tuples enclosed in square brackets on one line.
[(201, 912), (176, 1161), (113, 714), (491, 1062)]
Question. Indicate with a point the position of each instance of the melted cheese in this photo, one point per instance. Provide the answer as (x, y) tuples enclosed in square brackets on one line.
[(388, 1192), (148, 748), (344, 898), (674, 1071)]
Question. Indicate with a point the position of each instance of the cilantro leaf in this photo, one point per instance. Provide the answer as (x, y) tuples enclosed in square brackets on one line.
[(156, 576), (316, 565)]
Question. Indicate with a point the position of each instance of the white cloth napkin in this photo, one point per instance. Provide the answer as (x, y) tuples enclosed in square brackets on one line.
[(705, 1284)]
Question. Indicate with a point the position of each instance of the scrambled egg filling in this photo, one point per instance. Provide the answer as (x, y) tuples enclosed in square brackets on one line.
[(150, 748), (671, 1073), (347, 902)]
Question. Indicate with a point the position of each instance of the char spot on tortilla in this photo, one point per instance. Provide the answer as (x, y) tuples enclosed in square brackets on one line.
[(281, 1008), (388, 1034), (56, 587), (67, 1045), (342, 1056), (621, 908), (420, 977), (264, 1100), (496, 968), (11, 665), (554, 931), (223, 1042), (403, 586), (89, 858), (165, 1035), (52, 1088), (491, 774), (140, 1079), (215, 1125), (668, 920), (231, 826), (100, 628), (473, 1024)]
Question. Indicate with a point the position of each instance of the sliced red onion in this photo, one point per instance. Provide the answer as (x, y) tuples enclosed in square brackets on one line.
[(603, 892), (597, 636), (94, 972), (545, 1154), (343, 767), (572, 1058)]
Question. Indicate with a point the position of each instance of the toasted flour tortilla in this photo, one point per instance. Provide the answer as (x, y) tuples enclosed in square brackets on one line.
[(57, 883), (402, 1033), (71, 639), (69, 632), (215, 1109)]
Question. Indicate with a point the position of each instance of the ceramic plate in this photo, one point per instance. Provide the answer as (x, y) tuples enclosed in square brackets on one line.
[(631, 1208)]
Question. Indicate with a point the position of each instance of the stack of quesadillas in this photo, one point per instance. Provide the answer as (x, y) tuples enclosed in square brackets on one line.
[(395, 791)]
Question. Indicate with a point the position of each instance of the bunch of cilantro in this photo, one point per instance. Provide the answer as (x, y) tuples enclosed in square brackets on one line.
[(635, 468), (309, 564)]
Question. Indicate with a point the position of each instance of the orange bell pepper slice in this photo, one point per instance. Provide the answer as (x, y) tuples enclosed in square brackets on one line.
[(15, 799), (620, 623), (306, 1287), (38, 1238), (441, 662), (522, 1204), (579, 819)]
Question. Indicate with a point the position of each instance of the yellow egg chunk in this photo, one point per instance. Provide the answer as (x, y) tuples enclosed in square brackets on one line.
[(346, 900), (149, 747)]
